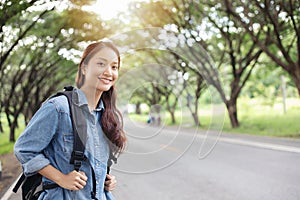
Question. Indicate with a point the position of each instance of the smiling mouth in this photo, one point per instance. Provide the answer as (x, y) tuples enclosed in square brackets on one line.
[(105, 80)]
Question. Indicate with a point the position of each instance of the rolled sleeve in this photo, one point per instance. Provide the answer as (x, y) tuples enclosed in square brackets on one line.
[(30, 146), (35, 164)]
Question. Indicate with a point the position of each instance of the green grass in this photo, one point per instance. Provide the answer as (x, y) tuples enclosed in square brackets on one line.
[(259, 119), (255, 116), (5, 145), (269, 125)]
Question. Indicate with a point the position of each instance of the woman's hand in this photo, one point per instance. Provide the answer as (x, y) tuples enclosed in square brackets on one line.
[(73, 181), (110, 183)]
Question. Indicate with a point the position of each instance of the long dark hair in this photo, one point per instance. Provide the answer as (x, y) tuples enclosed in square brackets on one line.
[(111, 120)]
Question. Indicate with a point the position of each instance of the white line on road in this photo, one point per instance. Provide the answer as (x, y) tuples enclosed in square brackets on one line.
[(247, 142), (262, 145)]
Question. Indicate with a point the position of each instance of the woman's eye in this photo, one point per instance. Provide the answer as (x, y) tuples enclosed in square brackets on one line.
[(115, 67), (101, 64)]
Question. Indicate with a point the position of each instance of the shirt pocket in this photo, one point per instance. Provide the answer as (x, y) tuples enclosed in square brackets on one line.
[(68, 139)]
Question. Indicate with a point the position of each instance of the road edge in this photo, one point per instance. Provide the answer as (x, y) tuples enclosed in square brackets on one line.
[(9, 191)]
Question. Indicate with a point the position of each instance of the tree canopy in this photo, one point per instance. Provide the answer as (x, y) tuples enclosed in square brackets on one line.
[(176, 49)]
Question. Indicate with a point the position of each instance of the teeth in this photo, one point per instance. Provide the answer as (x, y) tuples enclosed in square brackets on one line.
[(105, 80)]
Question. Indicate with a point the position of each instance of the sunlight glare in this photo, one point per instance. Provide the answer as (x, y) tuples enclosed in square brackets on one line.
[(109, 9)]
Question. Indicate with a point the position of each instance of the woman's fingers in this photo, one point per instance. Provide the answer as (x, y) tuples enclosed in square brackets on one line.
[(83, 176), (74, 180), (110, 183)]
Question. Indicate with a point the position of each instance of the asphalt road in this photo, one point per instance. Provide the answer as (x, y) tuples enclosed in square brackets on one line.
[(162, 163), (184, 164)]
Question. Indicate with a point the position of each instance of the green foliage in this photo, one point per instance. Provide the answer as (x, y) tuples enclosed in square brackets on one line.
[(86, 26), (266, 82), (12, 9), (82, 2), (155, 13)]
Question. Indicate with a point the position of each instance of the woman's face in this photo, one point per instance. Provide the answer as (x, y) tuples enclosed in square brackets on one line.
[(102, 70)]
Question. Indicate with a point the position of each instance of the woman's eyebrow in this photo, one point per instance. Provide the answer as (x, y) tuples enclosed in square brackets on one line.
[(104, 59), (100, 58)]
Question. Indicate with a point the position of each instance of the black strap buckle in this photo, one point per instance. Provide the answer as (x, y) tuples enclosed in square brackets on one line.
[(76, 159), (78, 156), (93, 195), (77, 164)]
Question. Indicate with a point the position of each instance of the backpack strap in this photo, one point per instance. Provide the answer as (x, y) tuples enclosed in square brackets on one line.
[(93, 193), (19, 183), (80, 136), (79, 128), (112, 159)]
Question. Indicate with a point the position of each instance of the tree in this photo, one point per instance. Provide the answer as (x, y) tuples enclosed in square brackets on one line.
[(223, 40), (10, 9), (38, 48), (157, 41), (278, 21), (234, 51), (9, 41), (182, 81), (32, 72)]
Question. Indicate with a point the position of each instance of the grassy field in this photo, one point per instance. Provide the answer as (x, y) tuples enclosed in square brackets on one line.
[(260, 119), (255, 117)]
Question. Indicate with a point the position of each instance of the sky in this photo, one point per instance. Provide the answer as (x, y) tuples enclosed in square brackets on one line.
[(109, 9)]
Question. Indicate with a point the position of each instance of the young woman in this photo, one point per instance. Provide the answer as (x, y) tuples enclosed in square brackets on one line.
[(46, 144)]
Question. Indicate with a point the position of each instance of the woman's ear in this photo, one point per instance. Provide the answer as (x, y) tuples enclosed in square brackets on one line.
[(83, 68)]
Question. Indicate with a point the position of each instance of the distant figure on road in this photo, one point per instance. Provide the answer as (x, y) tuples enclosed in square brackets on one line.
[(154, 115), (46, 144), (151, 119)]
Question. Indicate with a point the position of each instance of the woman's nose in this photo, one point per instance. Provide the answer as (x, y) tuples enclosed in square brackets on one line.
[(108, 70)]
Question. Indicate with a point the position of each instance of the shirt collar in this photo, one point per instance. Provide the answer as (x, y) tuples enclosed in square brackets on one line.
[(80, 100), (100, 106)]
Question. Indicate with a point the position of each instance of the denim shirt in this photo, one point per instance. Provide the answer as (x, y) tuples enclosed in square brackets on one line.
[(48, 139)]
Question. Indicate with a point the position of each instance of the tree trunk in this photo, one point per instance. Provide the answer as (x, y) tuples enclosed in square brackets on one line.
[(196, 119), (1, 127), (296, 79), (172, 113), (232, 112), (12, 133), (195, 113), (138, 108), (8, 118), (171, 110), (13, 127)]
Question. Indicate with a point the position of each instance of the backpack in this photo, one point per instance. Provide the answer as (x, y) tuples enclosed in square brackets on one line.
[(32, 186)]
